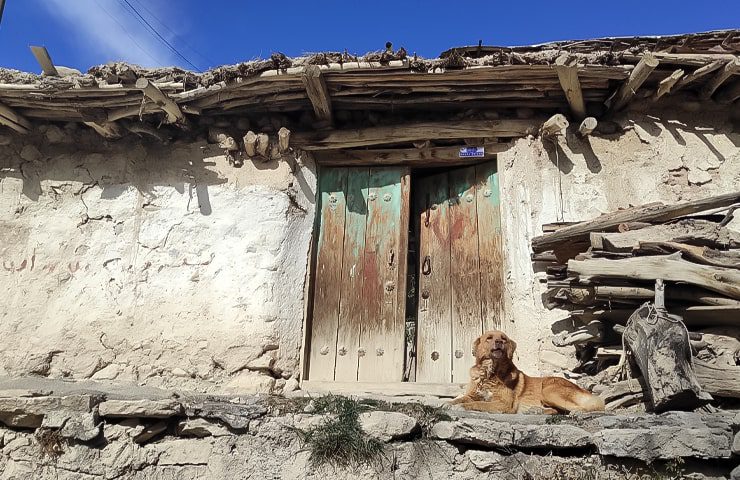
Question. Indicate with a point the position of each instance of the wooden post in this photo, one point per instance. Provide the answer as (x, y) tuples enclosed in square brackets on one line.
[(11, 119), (567, 70), (667, 83), (555, 125), (662, 352), (317, 92), (624, 94), (283, 139), (174, 114), (587, 126), (731, 68), (250, 144)]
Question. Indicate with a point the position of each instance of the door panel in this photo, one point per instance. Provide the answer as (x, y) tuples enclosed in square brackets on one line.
[(433, 332), (358, 321), (460, 295)]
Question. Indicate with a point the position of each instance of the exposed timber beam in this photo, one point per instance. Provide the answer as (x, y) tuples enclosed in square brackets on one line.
[(667, 83), (624, 94), (731, 68), (697, 74), (11, 119), (567, 69), (411, 132), (409, 156), (587, 126), (44, 59), (555, 125), (174, 114), (317, 92), (729, 94), (106, 129)]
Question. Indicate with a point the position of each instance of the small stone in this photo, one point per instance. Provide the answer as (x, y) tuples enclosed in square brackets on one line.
[(735, 473), (140, 408), (179, 372), (699, 177), (30, 154), (483, 461), (250, 383), (199, 427), (387, 426), (108, 373), (291, 385), (5, 140)]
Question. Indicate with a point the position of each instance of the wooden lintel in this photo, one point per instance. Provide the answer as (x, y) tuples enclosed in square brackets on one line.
[(411, 132), (627, 90), (567, 70), (11, 119), (435, 156), (44, 59), (667, 83), (729, 94), (697, 74), (731, 68), (174, 114), (317, 92)]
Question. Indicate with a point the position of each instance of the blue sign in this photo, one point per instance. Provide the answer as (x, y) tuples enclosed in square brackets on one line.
[(472, 152)]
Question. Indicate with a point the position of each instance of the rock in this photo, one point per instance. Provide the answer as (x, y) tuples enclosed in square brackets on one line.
[(501, 434), (29, 412), (387, 426), (150, 431), (736, 444), (250, 383), (264, 364), (291, 385), (5, 140), (179, 372), (140, 408), (107, 373), (199, 427), (236, 416), (699, 177), (55, 134), (483, 460), (30, 153)]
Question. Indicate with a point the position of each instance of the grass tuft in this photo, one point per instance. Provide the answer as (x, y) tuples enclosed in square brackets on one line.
[(50, 441)]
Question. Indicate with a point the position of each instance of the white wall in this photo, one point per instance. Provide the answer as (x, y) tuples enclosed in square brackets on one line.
[(160, 264)]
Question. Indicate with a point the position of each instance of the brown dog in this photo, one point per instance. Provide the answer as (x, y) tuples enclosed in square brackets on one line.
[(497, 386)]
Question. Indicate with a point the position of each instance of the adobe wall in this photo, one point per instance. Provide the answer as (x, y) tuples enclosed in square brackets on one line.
[(158, 264), (665, 156)]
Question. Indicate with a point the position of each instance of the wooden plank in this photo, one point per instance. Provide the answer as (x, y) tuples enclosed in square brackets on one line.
[(44, 59), (731, 68), (333, 139), (381, 357), (352, 311), (644, 213), (332, 184), (667, 83), (392, 389), (408, 156), (464, 270), (490, 245), (317, 92), (433, 348), (10, 118), (567, 70)]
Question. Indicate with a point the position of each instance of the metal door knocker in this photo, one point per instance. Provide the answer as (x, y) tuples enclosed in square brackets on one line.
[(426, 266)]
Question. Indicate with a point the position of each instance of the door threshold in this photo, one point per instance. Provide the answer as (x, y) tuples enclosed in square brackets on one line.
[(390, 389)]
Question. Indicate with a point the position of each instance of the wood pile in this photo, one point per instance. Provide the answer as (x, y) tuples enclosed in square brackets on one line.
[(644, 278)]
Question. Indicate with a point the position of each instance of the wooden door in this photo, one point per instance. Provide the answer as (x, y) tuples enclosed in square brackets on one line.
[(461, 271), (360, 284)]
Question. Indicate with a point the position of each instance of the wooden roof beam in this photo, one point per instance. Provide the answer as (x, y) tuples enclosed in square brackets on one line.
[(408, 156), (624, 94), (667, 83), (697, 74), (153, 93), (13, 120), (318, 93), (567, 69), (106, 129), (44, 59), (731, 68), (411, 132)]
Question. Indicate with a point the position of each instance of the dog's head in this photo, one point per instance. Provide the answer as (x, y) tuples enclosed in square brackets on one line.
[(493, 345)]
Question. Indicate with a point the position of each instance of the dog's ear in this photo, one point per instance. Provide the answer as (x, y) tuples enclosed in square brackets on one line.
[(475, 347), (510, 349)]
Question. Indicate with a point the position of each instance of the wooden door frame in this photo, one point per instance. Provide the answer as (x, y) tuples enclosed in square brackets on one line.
[(393, 388)]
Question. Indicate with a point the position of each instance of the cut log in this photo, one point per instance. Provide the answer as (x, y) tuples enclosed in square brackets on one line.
[(646, 213), (660, 346), (689, 231), (624, 94), (250, 144), (566, 67), (593, 332), (590, 295), (555, 125), (668, 267), (697, 316), (262, 146), (719, 380), (333, 139), (731, 68), (174, 114), (629, 226), (283, 139), (697, 74), (667, 83), (702, 255), (587, 126), (408, 156), (317, 93)]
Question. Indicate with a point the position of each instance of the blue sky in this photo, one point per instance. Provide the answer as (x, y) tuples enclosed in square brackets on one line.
[(82, 33)]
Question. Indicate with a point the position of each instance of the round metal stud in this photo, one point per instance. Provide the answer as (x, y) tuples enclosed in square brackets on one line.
[(324, 350), (372, 196), (342, 351), (387, 197), (360, 352), (435, 356), (379, 352), (487, 192), (469, 198), (458, 354)]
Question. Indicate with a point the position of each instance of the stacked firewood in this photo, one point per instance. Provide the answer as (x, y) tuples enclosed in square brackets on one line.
[(660, 281)]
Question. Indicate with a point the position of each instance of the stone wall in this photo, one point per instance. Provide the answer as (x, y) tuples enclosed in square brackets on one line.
[(663, 156), (159, 264)]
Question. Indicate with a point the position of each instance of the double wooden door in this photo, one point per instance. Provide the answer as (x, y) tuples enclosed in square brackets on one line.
[(359, 318)]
